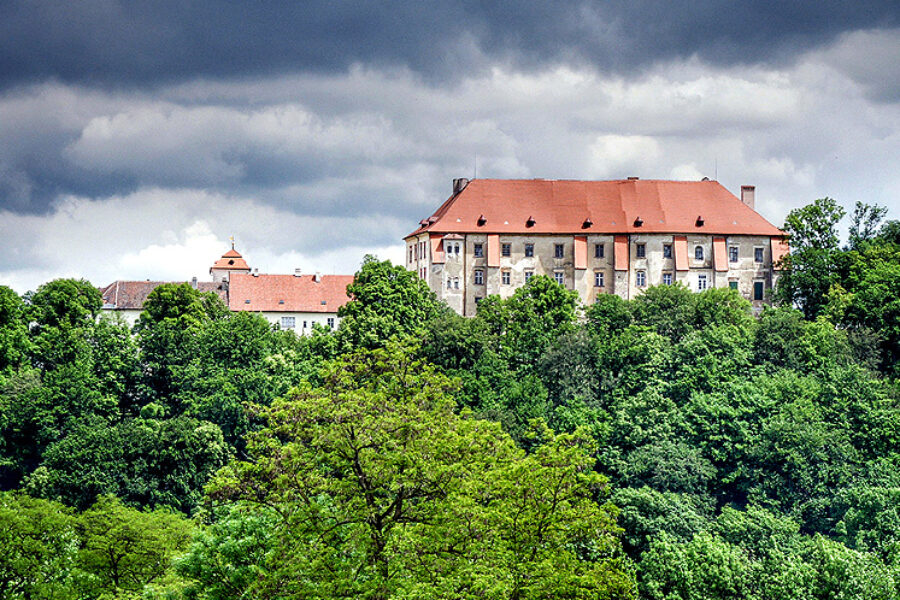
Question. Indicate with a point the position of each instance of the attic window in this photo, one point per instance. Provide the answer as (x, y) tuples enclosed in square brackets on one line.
[(699, 222), (587, 223), (423, 222), (324, 302), (281, 302), (529, 222), (246, 302), (481, 220), (231, 262), (638, 222)]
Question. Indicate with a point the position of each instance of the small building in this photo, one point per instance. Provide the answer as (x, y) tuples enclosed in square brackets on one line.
[(595, 237), (126, 298), (294, 302)]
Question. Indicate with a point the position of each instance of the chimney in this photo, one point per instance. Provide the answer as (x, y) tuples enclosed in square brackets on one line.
[(318, 277), (459, 185), (256, 272), (297, 272), (194, 282), (748, 195)]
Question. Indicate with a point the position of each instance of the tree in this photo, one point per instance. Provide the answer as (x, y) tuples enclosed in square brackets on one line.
[(14, 344), (864, 224), (384, 491), (39, 544), (527, 322), (386, 302), (812, 266), (123, 549)]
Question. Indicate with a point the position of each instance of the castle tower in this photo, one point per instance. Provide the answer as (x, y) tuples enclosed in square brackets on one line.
[(231, 262)]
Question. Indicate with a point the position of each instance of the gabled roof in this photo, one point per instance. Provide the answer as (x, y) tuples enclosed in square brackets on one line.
[(131, 295), (287, 293), (231, 261), (546, 206)]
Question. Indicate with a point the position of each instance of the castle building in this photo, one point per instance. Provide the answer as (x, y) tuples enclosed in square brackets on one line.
[(295, 302), (595, 237)]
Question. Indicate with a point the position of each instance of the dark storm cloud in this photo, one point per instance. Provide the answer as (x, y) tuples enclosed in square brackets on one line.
[(104, 42)]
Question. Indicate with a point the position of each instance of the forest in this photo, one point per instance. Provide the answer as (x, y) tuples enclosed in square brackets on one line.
[(677, 446)]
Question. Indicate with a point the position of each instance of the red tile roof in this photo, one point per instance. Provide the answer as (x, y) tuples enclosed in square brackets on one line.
[(131, 295), (619, 206), (231, 261), (287, 293)]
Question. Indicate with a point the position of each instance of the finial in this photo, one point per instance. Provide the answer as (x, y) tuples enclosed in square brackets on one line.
[(232, 242)]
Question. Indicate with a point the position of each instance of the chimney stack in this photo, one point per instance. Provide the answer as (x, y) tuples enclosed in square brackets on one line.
[(194, 282), (748, 195), (318, 277), (297, 272)]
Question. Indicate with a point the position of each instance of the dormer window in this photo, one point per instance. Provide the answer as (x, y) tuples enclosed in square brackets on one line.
[(481, 220), (530, 222), (699, 222), (587, 223), (638, 222)]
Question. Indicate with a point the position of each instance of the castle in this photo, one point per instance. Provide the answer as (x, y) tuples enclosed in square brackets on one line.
[(595, 237)]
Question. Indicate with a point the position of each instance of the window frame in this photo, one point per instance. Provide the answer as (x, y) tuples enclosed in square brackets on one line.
[(699, 253), (762, 290), (506, 249), (478, 249), (734, 254), (560, 277), (528, 275), (702, 282), (599, 251), (478, 276), (759, 251), (668, 275), (529, 250), (559, 250), (505, 277), (599, 279), (640, 250), (667, 250), (288, 322), (640, 278)]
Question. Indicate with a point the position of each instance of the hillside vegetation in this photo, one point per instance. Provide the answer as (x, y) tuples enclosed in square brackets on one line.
[(675, 446)]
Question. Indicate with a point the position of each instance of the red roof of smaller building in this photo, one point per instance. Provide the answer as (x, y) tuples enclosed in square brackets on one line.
[(131, 295), (287, 293), (231, 261)]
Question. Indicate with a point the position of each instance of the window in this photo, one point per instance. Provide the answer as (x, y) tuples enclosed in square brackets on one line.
[(449, 282), (529, 249), (758, 289), (506, 249), (758, 255), (528, 276), (456, 283), (559, 250), (698, 252), (288, 322), (640, 250), (478, 300), (667, 250), (504, 277), (732, 253), (598, 278), (479, 277), (304, 324), (331, 322), (701, 283), (479, 250), (598, 250), (410, 254), (640, 278), (733, 285), (560, 277), (667, 279)]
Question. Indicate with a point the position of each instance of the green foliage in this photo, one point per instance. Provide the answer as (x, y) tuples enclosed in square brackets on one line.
[(384, 491), (14, 344), (39, 545), (387, 302), (123, 549), (144, 462)]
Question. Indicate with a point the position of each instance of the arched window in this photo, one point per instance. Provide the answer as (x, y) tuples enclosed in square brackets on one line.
[(698, 252)]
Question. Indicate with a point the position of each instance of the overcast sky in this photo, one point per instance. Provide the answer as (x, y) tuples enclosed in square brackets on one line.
[(136, 137)]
